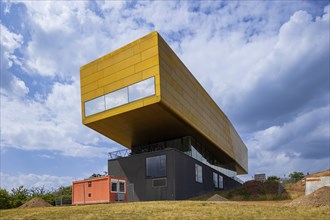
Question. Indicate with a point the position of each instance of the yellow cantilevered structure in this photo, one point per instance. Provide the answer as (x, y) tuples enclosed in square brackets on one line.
[(142, 93)]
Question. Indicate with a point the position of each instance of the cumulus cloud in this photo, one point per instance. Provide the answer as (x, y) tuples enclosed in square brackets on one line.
[(52, 124), (10, 84), (306, 138), (265, 64), (34, 180), (293, 77)]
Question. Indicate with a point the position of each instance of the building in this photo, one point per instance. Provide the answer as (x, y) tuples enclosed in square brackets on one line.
[(143, 97), (260, 177), (315, 183), (99, 190)]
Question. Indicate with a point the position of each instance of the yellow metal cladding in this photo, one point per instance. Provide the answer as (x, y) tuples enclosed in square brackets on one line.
[(128, 65), (180, 106), (182, 93)]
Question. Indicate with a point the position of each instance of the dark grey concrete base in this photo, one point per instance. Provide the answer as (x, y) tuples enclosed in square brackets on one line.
[(178, 184)]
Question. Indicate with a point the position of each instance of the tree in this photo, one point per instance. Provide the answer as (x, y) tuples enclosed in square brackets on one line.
[(19, 196), (95, 175), (63, 195), (273, 179), (38, 191), (4, 199), (296, 176)]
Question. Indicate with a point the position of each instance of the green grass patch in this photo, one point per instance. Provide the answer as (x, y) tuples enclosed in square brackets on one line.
[(171, 210)]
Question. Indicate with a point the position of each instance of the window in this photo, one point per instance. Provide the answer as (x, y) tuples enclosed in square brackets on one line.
[(198, 173), (114, 185), (122, 186), (89, 183), (89, 194), (118, 186), (141, 89), (215, 180), (94, 106), (116, 98), (156, 166), (120, 97), (220, 182)]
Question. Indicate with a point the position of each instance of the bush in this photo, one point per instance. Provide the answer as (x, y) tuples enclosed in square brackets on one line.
[(4, 199), (296, 176)]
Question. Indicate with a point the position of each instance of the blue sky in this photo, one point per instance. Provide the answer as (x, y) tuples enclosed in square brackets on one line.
[(265, 63)]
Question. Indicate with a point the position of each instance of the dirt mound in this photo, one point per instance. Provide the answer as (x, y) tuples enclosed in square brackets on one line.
[(255, 187), (216, 197), (35, 203), (322, 173), (320, 197)]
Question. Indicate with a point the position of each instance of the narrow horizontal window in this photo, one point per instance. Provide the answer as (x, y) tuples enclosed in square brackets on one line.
[(141, 89), (94, 106), (121, 97), (116, 98)]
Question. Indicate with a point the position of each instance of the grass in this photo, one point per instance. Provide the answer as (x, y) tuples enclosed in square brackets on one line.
[(171, 210)]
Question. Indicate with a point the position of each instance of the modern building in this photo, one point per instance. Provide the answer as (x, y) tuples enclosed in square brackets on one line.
[(181, 144)]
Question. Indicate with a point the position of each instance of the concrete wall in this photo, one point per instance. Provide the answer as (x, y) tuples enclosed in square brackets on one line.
[(180, 176), (185, 184), (314, 183)]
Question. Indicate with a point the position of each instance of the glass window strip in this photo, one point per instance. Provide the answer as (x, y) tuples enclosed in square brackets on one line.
[(128, 94)]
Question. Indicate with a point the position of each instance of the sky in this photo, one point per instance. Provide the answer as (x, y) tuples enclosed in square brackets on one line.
[(265, 63)]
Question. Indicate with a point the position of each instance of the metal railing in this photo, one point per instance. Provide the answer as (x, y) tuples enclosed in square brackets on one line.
[(119, 154)]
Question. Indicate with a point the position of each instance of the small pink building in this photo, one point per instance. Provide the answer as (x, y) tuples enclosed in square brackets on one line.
[(99, 190)]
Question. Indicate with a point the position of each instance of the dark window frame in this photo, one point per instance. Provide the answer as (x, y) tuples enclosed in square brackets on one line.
[(156, 166)]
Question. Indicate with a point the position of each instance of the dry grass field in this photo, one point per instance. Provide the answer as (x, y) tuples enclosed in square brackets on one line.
[(172, 210)]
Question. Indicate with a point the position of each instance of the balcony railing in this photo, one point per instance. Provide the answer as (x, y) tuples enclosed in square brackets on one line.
[(119, 154)]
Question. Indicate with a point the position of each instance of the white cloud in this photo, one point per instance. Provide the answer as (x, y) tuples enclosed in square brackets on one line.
[(265, 64), (299, 145), (53, 124), (10, 84), (34, 180)]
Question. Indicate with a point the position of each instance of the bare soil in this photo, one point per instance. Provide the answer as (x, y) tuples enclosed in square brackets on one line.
[(323, 173), (320, 197), (35, 203), (216, 197)]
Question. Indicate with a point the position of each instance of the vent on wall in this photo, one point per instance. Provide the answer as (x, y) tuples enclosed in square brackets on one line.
[(160, 182)]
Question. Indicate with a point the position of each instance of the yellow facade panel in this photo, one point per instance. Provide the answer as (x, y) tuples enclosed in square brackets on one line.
[(137, 77), (114, 86), (92, 78), (88, 70), (122, 65), (153, 51), (152, 71), (116, 76), (93, 94), (153, 61), (145, 44), (118, 57), (89, 87), (151, 100)]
